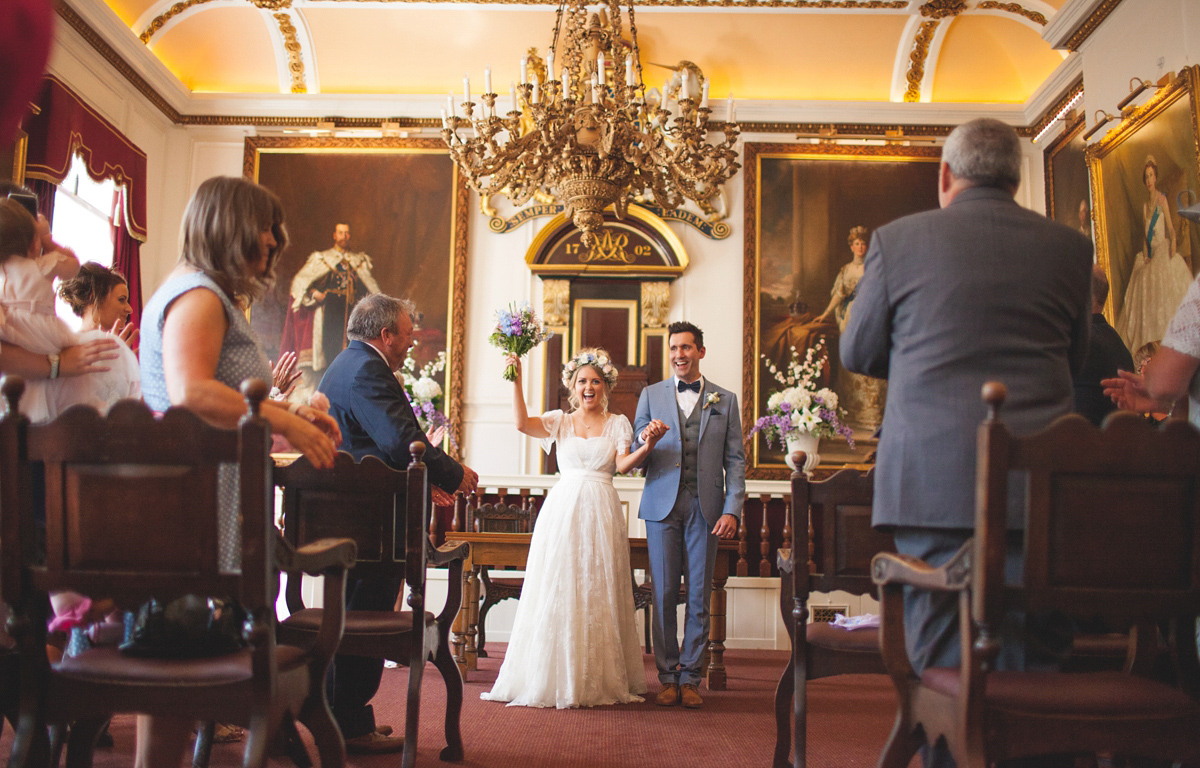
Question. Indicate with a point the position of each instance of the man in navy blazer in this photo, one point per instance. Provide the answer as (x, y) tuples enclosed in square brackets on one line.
[(376, 419), (980, 289), (695, 488)]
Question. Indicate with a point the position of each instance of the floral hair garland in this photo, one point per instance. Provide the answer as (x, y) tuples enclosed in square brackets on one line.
[(599, 361)]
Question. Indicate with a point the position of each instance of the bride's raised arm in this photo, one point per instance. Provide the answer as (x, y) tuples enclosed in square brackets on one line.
[(526, 424)]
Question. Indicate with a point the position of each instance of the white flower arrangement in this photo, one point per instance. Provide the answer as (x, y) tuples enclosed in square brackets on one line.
[(424, 392), (802, 406), (712, 399), (598, 361)]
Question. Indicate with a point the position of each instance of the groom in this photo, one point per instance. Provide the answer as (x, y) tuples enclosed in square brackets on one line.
[(695, 486)]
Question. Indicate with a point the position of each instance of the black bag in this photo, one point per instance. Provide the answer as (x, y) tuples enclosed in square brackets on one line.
[(190, 627)]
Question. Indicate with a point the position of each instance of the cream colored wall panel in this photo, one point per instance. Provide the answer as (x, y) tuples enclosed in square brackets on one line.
[(223, 50), (990, 58)]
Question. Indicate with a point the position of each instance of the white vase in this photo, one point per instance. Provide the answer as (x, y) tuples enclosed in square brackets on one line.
[(807, 442)]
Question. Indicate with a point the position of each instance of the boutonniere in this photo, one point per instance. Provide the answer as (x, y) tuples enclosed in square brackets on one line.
[(712, 399)]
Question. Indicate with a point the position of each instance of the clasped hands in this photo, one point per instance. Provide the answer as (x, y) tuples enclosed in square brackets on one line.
[(653, 431)]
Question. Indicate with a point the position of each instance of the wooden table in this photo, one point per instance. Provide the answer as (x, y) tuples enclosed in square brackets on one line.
[(510, 549)]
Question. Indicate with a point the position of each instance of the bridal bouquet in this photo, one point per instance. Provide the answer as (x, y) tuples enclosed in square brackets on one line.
[(801, 406), (425, 393), (518, 330)]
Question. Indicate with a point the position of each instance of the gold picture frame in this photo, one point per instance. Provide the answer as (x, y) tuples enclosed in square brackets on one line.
[(800, 202), (1067, 187), (1127, 229), (407, 207)]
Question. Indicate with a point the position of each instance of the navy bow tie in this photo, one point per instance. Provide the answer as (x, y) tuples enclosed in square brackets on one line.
[(694, 386)]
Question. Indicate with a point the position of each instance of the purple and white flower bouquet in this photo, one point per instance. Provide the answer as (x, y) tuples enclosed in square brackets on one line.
[(801, 406), (425, 393), (518, 330)]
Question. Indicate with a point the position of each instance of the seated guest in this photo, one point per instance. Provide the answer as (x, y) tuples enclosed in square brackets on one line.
[(979, 290), (99, 296), (197, 348), (1173, 371), (1106, 355), (376, 419)]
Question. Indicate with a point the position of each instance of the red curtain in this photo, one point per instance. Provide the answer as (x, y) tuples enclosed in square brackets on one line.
[(126, 260), (66, 126), (45, 194)]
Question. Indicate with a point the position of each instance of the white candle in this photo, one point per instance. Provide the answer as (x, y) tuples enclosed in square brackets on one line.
[(629, 70), (535, 89), (704, 95), (732, 110), (524, 63), (600, 67), (450, 103), (445, 122), (550, 66), (466, 89), (513, 93), (684, 93), (487, 79), (566, 83), (729, 108)]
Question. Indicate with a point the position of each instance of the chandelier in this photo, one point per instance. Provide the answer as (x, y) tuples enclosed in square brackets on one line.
[(586, 134)]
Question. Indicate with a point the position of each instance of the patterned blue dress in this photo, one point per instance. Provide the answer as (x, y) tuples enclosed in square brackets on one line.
[(241, 357)]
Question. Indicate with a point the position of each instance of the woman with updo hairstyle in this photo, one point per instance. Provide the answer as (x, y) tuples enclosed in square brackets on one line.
[(99, 295), (861, 396), (1160, 277), (574, 641)]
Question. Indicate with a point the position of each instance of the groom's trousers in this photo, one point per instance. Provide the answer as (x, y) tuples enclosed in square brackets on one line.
[(681, 544)]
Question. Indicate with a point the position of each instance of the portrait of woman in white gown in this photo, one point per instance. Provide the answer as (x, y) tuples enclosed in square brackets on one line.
[(1160, 276), (574, 642)]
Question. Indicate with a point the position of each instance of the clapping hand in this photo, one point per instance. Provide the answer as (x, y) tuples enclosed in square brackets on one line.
[(126, 332), (285, 374)]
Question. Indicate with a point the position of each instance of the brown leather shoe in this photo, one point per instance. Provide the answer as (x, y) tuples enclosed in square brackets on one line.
[(668, 696), (691, 696), (374, 743)]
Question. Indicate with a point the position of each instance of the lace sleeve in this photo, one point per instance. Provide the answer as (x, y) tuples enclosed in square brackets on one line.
[(622, 434), (552, 421), (1183, 333)]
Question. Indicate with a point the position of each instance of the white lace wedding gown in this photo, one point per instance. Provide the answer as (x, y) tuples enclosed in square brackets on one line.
[(574, 642)]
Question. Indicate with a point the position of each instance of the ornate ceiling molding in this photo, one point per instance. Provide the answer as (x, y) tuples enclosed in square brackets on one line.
[(1014, 8), (291, 74), (1051, 113), (917, 57), (142, 86), (1093, 21), (162, 18)]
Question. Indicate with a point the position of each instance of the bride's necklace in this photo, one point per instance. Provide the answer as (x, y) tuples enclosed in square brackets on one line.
[(589, 427)]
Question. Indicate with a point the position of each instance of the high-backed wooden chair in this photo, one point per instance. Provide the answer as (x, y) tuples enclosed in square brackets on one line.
[(386, 513), (132, 513), (1112, 532), (500, 518), (834, 544)]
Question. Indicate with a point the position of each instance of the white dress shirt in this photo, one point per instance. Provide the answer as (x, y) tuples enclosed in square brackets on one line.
[(687, 398)]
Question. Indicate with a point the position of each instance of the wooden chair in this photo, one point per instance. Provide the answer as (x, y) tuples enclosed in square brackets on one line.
[(386, 513), (131, 513), (832, 552), (500, 518), (1112, 531)]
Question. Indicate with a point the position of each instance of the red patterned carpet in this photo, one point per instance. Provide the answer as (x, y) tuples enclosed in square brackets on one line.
[(849, 719)]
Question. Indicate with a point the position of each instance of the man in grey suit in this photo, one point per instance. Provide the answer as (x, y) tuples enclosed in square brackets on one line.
[(981, 289), (695, 487)]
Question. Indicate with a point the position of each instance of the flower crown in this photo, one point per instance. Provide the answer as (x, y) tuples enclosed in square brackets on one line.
[(597, 360)]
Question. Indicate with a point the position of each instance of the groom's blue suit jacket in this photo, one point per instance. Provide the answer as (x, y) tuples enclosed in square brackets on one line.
[(375, 416), (721, 460)]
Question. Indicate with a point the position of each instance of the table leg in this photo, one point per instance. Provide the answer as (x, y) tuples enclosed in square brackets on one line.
[(458, 630), (472, 601), (716, 631)]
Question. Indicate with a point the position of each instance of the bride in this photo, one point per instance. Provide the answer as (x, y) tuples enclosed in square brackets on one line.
[(573, 641)]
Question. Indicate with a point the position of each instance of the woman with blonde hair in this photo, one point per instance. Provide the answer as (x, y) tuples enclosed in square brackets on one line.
[(574, 641)]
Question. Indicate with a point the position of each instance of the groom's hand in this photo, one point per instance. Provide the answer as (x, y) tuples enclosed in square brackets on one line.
[(726, 527)]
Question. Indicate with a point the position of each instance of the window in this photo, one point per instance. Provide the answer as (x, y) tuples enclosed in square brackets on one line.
[(83, 222)]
